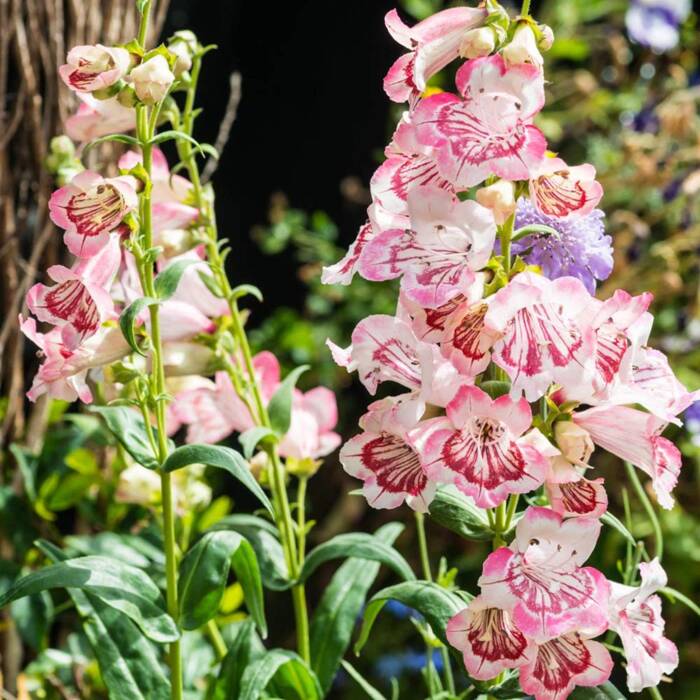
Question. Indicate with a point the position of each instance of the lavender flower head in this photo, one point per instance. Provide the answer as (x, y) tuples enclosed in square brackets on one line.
[(579, 249), (654, 23)]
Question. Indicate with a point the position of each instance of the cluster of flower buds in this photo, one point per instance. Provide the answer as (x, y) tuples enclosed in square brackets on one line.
[(467, 184), (101, 218)]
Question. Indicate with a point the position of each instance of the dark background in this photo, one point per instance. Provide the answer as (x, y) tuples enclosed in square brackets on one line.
[(312, 113)]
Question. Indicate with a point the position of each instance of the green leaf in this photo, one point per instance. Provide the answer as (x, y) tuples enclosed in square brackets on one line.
[(356, 544), (286, 670), (615, 523), (264, 539), (456, 512), (244, 290), (122, 587), (27, 463), (167, 280), (436, 604), (128, 427), (128, 318), (118, 138), (336, 615), (204, 572), (245, 647), (252, 437), (129, 549), (221, 458), (173, 135), (129, 664), (370, 690), (607, 691), (33, 616), (280, 407), (495, 388)]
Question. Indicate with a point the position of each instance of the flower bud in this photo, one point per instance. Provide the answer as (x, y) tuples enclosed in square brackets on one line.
[(184, 59), (574, 442), (152, 79), (499, 198), (138, 485), (546, 37), (477, 42), (523, 48), (94, 68)]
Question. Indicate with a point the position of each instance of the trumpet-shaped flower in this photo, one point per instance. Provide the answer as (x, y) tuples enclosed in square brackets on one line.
[(433, 43), (635, 436), (540, 577), (95, 118), (557, 666), (489, 130), (79, 301), (90, 68), (384, 458), (478, 447), (436, 258), (541, 339), (635, 614), (89, 208), (563, 192), (488, 639)]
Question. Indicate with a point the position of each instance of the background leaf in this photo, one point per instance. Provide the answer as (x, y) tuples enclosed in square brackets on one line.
[(292, 677), (280, 407), (127, 425)]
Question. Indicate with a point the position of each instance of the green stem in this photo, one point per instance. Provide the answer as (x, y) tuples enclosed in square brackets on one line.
[(216, 640), (143, 26), (428, 575), (512, 507), (301, 517), (654, 692), (506, 235), (525, 10), (649, 508), (278, 486)]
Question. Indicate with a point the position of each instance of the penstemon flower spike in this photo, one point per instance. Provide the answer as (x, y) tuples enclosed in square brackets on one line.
[(497, 312)]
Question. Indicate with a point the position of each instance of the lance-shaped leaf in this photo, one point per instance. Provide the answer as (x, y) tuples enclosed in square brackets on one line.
[(128, 662), (204, 572), (360, 545), (245, 647), (263, 537), (120, 586), (128, 318), (458, 513), (336, 615), (251, 438), (436, 604), (280, 407), (222, 458), (284, 674), (166, 282), (371, 692), (128, 427)]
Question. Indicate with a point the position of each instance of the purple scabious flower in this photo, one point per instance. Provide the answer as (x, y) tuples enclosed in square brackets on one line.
[(654, 23), (579, 249)]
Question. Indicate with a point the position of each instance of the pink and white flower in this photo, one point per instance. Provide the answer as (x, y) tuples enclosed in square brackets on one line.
[(384, 458), (433, 43), (542, 341), (635, 436), (477, 446), (95, 118), (540, 577), (565, 192), (489, 130), (311, 434), (557, 666), (436, 258), (90, 68), (152, 79), (79, 302), (635, 614), (89, 208), (488, 639)]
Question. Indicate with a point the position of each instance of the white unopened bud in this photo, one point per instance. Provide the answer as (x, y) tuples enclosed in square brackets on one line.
[(184, 57), (523, 48), (152, 80), (546, 37), (477, 42), (574, 442), (499, 198)]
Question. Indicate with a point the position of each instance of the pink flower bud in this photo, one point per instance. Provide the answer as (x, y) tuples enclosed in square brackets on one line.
[(91, 68), (574, 442), (499, 198), (546, 37), (152, 79)]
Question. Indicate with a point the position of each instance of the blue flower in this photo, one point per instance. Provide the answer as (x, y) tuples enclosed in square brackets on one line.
[(654, 23), (579, 249)]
